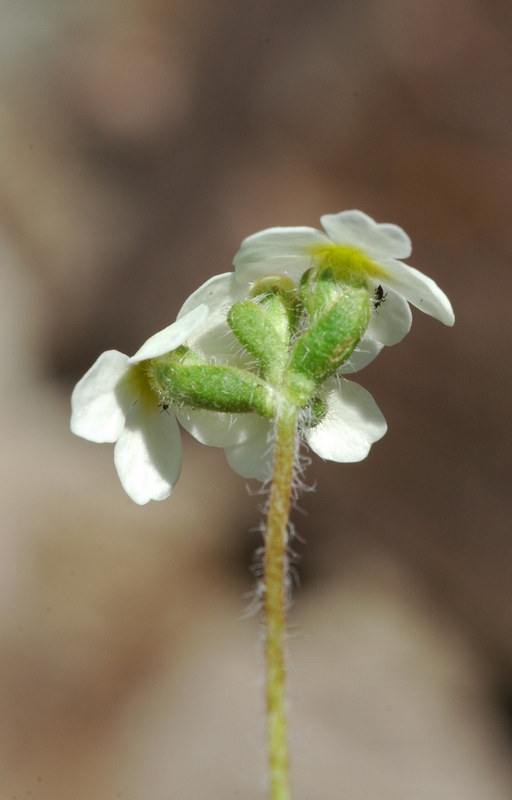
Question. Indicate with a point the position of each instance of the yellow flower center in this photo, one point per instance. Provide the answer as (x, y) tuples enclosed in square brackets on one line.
[(348, 264), (139, 382)]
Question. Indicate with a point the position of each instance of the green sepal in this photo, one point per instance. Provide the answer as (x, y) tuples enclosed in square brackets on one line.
[(211, 386), (318, 294), (182, 355), (264, 329), (279, 293), (299, 388), (332, 337), (312, 413), (277, 285), (317, 411), (321, 287)]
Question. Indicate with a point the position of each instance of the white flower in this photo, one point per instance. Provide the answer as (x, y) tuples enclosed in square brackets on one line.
[(113, 402), (372, 251)]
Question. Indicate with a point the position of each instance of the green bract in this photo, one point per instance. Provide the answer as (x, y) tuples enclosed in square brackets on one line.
[(263, 329), (333, 336), (212, 387)]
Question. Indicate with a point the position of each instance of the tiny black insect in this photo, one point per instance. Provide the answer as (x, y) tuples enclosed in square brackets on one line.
[(379, 297), (164, 407)]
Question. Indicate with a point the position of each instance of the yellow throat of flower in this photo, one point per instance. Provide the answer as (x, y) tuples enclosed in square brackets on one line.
[(347, 264)]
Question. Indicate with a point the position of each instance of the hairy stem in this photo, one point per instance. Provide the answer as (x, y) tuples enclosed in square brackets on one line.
[(275, 601)]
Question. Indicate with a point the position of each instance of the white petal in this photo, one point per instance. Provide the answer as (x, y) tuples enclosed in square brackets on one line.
[(171, 337), (102, 398), (220, 430), (148, 454), (365, 352), (360, 230), (392, 320), (219, 292), (352, 423), (277, 251), (253, 459), (422, 292), (215, 338), (221, 346)]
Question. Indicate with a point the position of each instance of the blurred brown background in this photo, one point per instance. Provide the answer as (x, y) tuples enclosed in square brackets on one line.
[(141, 141)]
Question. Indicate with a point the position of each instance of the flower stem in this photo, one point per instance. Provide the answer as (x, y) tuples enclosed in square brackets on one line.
[(275, 600)]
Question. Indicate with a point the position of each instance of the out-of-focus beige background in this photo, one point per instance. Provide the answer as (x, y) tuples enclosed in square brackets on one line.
[(141, 140)]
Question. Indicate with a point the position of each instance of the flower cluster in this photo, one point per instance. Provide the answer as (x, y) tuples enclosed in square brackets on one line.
[(302, 309)]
